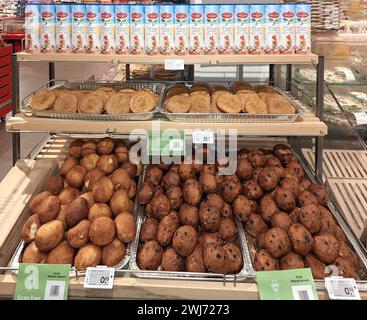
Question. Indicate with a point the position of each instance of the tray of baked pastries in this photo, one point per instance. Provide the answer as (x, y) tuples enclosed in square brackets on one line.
[(289, 220), (95, 100), (227, 102)]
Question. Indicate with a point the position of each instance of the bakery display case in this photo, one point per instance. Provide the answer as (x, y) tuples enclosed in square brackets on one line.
[(183, 230)]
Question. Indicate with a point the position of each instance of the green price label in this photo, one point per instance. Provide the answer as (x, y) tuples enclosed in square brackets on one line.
[(166, 143), (42, 282), (296, 284)]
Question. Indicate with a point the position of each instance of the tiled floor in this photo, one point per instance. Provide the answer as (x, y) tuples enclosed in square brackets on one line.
[(32, 76)]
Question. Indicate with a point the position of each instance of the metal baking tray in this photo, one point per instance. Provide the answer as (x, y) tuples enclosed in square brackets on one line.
[(156, 87), (15, 260), (351, 241), (243, 274), (232, 117)]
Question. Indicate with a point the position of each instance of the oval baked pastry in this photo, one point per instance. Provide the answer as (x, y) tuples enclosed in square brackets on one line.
[(142, 101), (118, 103), (90, 103), (42, 100), (67, 102)]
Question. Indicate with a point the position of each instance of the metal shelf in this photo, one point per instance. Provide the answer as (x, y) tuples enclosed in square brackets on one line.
[(160, 59), (308, 125)]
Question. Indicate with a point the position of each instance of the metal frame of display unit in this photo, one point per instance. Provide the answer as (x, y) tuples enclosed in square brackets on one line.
[(315, 128)]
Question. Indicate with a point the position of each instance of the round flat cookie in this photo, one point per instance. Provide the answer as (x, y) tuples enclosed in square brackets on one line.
[(42, 100), (199, 96), (251, 103), (229, 103), (178, 103), (142, 101), (90, 103), (102, 94), (199, 107), (118, 103), (213, 103), (276, 104), (66, 103)]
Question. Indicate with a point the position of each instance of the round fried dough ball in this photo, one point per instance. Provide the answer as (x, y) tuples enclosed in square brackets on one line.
[(277, 242), (75, 176), (105, 146), (284, 199), (228, 230), (172, 261), (291, 261), (326, 248), (75, 148), (103, 190), (54, 185), (234, 258), (113, 253), (171, 179), (244, 169), (91, 178), (306, 197), (189, 215), (208, 182), (320, 193), (192, 192), (154, 175), (268, 207), (215, 258), (255, 225), (102, 231), (281, 220), (252, 190), (89, 255), (263, 261), (309, 215), (209, 217), (68, 163), (230, 191), (268, 178), (121, 179), (185, 240), (107, 163), (301, 239), (150, 255), (243, 207), (160, 206)]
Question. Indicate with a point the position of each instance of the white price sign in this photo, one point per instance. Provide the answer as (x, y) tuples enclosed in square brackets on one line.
[(99, 278), (340, 288), (361, 118), (203, 137), (174, 64)]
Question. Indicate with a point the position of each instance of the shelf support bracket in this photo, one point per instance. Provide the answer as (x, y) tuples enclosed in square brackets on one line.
[(15, 105), (319, 113)]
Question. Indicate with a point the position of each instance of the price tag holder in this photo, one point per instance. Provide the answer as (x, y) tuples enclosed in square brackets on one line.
[(201, 137), (160, 144), (297, 284), (361, 118), (174, 64), (99, 277), (42, 282), (340, 288)]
